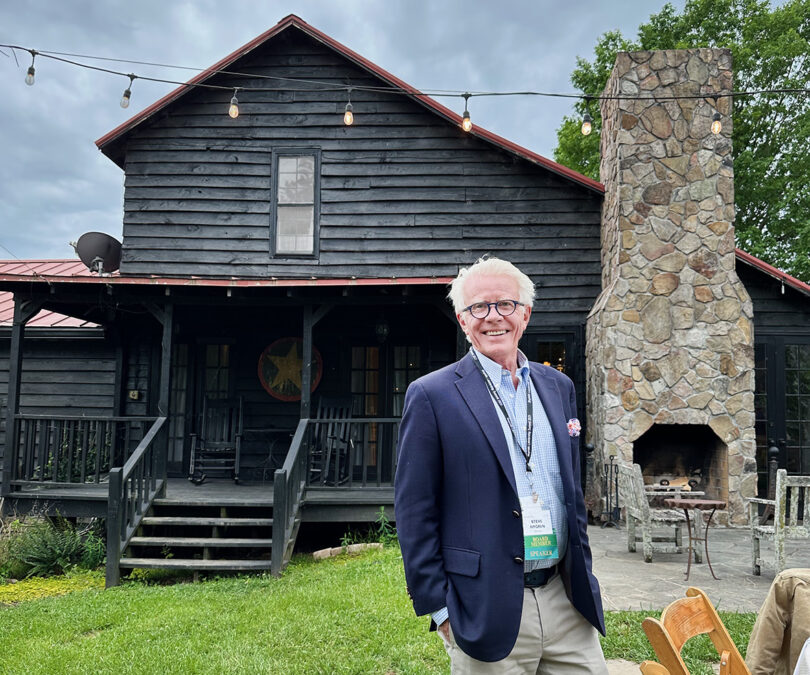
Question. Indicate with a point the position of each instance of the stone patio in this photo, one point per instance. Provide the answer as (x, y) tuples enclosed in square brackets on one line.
[(629, 583)]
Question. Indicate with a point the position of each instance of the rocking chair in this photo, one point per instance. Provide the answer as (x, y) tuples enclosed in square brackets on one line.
[(216, 449), (332, 444)]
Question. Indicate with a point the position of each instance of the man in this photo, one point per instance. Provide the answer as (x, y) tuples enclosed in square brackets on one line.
[(489, 509)]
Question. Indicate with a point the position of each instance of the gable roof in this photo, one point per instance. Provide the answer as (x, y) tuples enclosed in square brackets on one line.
[(107, 142)]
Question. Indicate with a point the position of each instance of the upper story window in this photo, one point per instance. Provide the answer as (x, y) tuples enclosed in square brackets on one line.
[(296, 200)]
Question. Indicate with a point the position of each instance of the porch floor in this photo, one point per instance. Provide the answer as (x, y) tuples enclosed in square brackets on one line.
[(222, 492)]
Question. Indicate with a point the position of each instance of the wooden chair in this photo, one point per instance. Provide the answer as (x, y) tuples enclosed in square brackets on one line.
[(788, 521), (217, 448), (684, 619), (639, 512), (330, 461), (653, 668)]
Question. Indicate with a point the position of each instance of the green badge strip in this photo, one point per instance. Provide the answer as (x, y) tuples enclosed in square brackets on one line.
[(540, 547)]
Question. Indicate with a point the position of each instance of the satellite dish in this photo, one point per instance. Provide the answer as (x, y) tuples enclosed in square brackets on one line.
[(100, 252)]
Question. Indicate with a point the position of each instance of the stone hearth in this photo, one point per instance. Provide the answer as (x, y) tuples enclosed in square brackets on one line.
[(670, 338)]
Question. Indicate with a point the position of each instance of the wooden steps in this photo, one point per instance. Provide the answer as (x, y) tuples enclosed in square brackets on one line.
[(194, 564), (202, 537), (190, 521), (223, 542)]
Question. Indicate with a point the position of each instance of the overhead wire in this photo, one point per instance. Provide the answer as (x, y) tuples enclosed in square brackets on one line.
[(332, 86)]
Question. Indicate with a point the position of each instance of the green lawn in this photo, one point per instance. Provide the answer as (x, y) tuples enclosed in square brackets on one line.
[(348, 614)]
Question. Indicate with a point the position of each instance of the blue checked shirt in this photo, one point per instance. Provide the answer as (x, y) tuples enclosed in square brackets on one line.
[(545, 465)]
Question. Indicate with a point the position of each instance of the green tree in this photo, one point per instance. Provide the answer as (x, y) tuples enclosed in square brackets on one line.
[(771, 132)]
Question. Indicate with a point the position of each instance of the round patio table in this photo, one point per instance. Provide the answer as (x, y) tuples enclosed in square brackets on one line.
[(697, 505)]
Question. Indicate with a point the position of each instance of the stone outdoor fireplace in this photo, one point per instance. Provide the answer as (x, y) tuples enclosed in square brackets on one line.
[(669, 340), (690, 453)]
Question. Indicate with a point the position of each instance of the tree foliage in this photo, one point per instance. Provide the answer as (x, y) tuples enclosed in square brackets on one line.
[(771, 132)]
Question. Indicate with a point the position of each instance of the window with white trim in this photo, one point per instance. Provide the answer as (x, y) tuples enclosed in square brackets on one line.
[(296, 196)]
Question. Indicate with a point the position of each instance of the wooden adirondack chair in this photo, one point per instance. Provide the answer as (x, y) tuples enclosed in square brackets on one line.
[(653, 668), (684, 619), (639, 512), (216, 449), (791, 492)]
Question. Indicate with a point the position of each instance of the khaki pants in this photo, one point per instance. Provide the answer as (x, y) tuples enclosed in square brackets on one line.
[(554, 639)]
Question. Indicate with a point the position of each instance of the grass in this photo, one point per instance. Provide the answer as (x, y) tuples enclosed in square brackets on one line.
[(348, 614)]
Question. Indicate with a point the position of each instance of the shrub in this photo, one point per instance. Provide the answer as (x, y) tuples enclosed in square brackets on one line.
[(43, 547)]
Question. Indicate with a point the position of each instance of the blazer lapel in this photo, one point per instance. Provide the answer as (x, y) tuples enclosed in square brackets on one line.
[(552, 403), (473, 390)]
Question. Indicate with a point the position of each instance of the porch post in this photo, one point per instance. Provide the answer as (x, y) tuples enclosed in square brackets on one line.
[(165, 392), (306, 363), (23, 311)]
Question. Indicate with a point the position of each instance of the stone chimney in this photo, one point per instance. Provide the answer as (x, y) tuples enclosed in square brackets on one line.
[(670, 356)]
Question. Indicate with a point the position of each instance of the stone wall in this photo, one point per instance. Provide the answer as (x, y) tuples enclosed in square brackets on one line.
[(669, 340)]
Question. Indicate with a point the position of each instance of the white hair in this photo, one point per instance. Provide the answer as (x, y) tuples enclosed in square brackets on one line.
[(490, 267)]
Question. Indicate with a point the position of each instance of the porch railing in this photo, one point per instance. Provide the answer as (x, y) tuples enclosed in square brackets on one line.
[(66, 451), (132, 490), (288, 490), (352, 453)]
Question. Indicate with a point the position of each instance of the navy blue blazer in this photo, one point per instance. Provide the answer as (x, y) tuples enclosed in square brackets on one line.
[(458, 512)]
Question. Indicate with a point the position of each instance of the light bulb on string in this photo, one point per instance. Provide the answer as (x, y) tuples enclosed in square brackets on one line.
[(233, 111), (587, 120), (717, 125), (466, 122), (29, 76), (127, 92), (348, 113), (587, 125)]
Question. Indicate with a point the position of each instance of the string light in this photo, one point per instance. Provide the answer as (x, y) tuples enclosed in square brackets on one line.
[(348, 114), (233, 111), (310, 85), (466, 122), (29, 76), (587, 125), (587, 122), (128, 92), (717, 125)]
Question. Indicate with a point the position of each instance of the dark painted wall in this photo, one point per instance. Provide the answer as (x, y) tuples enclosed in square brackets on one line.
[(61, 376), (403, 192), (775, 311)]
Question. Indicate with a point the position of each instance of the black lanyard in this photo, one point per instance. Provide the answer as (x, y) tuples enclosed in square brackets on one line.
[(527, 454)]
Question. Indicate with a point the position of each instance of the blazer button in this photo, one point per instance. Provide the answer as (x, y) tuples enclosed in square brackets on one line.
[(516, 514), (518, 560)]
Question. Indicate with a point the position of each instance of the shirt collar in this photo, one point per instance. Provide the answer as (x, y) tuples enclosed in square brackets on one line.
[(495, 370)]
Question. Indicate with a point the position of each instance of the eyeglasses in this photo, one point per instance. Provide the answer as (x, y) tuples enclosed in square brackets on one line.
[(481, 310)]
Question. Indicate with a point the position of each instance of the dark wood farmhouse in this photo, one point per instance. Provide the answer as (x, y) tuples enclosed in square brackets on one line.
[(283, 279)]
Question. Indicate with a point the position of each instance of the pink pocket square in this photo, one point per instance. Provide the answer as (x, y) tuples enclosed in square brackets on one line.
[(574, 427)]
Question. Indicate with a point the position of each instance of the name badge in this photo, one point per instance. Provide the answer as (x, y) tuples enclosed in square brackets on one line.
[(539, 538)]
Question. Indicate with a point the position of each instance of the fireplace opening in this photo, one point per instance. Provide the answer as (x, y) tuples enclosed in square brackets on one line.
[(678, 454)]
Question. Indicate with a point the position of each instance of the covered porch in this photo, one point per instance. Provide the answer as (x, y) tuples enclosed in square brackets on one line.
[(319, 371)]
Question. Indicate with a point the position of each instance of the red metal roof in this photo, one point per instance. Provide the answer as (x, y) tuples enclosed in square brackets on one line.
[(70, 271), (74, 271), (293, 20), (41, 268), (784, 277)]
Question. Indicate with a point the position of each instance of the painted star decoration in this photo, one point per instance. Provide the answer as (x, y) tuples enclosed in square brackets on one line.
[(288, 370)]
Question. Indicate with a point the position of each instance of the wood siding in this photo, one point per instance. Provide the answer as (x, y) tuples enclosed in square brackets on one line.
[(61, 376), (775, 312), (403, 192)]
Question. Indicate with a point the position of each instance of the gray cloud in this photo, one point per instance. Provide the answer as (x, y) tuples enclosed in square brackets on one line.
[(55, 185)]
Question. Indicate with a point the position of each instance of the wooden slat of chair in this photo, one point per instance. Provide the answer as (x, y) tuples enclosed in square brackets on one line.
[(684, 619), (653, 668)]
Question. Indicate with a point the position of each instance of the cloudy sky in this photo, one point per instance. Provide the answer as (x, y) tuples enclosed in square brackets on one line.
[(55, 184)]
